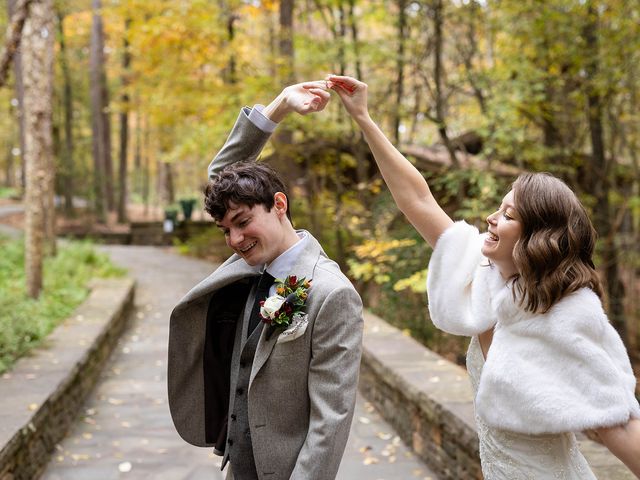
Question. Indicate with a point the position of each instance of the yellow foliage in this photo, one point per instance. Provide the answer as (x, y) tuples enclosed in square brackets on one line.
[(417, 282), (375, 259), (377, 249)]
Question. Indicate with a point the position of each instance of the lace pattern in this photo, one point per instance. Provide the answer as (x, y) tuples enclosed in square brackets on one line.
[(514, 456)]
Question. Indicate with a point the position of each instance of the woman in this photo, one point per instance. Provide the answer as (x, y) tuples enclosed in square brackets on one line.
[(543, 360)]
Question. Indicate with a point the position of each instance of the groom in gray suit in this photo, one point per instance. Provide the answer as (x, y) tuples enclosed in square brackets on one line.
[(275, 401)]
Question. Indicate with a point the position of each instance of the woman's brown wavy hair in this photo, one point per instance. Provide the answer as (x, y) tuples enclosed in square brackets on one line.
[(554, 254)]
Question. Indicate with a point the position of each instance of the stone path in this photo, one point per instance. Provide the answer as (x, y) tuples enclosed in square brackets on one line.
[(125, 430), (6, 210)]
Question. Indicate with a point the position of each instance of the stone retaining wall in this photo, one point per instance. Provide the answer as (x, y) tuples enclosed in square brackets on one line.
[(43, 393), (429, 402)]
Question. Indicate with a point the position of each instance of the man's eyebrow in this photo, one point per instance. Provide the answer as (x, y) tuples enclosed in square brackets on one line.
[(232, 219), (237, 214)]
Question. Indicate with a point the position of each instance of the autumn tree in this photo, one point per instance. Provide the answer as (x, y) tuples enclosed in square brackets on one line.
[(100, 121), (37, 63)]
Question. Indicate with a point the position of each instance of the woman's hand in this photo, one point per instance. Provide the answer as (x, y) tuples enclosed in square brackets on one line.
[(353, 94)]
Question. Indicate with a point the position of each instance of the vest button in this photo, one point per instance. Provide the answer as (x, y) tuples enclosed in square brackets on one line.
[(242, 364), (233, 417), (230, 442), (239, 391)]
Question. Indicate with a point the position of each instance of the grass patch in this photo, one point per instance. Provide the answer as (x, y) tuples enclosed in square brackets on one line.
[(6, 192), (24, 322)]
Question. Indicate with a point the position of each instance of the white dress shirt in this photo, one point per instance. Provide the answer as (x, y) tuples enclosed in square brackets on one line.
[(282, 265)]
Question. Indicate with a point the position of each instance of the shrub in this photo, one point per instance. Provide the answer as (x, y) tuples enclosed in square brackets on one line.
[(24, 322)]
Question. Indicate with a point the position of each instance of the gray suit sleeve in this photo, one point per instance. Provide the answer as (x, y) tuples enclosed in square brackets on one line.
[(333, 382), (245, 142)]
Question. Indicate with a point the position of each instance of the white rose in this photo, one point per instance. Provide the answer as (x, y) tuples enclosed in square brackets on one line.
[(271, 306)]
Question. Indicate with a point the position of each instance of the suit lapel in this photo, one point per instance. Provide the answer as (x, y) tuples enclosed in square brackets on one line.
[(304, 267), (230, 271)]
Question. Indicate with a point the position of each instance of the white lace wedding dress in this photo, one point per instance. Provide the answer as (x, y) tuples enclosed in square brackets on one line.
[(516, 456)]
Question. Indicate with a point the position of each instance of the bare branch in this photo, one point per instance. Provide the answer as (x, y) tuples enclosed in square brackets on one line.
[(14, 34)]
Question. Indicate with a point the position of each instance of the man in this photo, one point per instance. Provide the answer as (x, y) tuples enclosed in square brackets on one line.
[(275, 400)]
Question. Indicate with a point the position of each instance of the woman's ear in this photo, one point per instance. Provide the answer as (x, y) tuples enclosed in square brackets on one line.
[(280, 203)]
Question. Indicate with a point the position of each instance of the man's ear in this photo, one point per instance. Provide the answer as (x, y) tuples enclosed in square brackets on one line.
[(280, 203)]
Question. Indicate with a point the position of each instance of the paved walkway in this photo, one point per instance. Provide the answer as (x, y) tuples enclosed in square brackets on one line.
[(6, 210), (125, 430)]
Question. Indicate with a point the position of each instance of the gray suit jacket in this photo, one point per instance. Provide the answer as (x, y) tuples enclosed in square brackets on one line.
[(301, 393)]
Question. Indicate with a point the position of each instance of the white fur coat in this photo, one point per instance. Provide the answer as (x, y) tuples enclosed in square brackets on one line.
[(565, 370)]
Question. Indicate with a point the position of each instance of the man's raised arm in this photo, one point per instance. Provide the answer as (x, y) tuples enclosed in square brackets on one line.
[(255, 125)]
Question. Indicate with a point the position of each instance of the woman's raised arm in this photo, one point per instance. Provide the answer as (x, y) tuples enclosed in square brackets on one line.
[(408, 187)]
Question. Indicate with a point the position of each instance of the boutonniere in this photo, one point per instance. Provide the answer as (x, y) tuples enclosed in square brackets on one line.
[(281, 309)]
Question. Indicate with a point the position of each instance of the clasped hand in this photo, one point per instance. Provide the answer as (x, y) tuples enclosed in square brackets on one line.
[(310, 97)]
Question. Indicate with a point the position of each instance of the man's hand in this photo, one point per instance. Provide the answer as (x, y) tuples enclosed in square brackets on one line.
[(303, 98)]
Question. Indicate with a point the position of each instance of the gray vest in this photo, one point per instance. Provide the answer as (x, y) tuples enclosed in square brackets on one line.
[(239, 434)]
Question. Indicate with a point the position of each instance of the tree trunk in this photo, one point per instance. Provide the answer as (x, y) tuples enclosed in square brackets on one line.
[(9, 173), (101, 134), (146, 165), (137, 155), (19, 88), (402, 25), (354, 38), (231, 33), (287, 72), (68, 168), (165, 183), (438, 20), (124, 129), (37, 51), (598, 177)]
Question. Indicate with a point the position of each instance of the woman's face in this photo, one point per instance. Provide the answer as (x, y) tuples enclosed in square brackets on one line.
[(504, 231)]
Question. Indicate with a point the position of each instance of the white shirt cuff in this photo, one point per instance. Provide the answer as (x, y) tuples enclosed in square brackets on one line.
[(259, 120)]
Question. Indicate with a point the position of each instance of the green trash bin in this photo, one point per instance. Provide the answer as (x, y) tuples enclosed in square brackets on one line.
[(187, 205)]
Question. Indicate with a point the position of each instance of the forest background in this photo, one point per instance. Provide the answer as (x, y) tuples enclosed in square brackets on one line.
[(144, 93)]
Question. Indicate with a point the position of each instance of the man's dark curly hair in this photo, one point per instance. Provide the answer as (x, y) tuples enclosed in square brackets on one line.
[(244, 183)]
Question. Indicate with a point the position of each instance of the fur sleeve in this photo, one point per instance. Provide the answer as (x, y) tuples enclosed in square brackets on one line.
[(453, 278), (566, 370)]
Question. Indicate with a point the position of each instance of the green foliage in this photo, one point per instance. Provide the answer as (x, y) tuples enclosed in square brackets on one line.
[(6, 192), (24, 322), (209, 244), (474, 193)]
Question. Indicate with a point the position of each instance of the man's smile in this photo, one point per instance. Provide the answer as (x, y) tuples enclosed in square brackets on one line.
[(248, 247)]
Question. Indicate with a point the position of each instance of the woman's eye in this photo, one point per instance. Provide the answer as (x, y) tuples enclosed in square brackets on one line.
[(507, 216)]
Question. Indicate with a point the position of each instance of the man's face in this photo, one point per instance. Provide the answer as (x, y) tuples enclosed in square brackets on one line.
[(254, 233)]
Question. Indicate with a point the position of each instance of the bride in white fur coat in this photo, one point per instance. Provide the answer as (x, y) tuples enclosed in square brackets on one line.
[(543, 360)]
